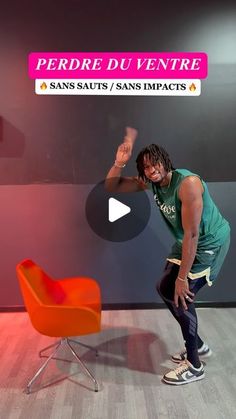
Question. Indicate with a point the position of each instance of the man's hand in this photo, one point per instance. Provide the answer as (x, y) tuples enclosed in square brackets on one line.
[(131, 133), (182, 292), (125, 149), (130, 136), (123, 153)]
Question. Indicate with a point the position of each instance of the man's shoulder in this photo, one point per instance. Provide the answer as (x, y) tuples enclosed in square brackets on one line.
[(139, 182), (189, 182), (185, 172), (187, 176)]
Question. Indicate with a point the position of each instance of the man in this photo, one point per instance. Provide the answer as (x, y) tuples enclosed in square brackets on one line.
[(202, 240)]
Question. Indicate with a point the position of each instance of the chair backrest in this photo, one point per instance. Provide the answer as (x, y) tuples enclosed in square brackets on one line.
[(37, 287)]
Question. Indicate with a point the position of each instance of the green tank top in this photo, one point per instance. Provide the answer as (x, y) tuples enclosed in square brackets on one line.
[(214, 229)]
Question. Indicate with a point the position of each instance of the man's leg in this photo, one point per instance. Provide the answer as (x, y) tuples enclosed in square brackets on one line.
[(186, 318)]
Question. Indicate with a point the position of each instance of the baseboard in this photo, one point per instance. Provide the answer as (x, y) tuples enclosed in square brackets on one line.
[(137, 306), (151, 306)]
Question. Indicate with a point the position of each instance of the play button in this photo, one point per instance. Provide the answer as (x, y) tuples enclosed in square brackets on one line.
[(117, 216), (116, 210)]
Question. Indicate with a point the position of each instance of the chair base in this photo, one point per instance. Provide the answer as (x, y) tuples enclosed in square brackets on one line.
[(70, 340), (58, 344)]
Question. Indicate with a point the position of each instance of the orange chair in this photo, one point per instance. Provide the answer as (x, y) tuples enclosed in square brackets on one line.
[(60, 308)]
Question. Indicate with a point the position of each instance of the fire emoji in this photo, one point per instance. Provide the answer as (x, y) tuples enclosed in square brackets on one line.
[(192, 87), (43, 86)]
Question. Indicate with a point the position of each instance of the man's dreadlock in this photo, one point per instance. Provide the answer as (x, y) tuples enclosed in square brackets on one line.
[(155, 153)]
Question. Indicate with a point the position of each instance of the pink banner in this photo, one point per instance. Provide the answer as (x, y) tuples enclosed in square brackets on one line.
[(118, 65)]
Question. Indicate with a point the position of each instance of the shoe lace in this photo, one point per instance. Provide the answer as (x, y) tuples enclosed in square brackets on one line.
[(182, 367)]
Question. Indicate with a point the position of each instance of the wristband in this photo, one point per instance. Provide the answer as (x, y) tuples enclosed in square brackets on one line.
[(181, 279), (119, 166)]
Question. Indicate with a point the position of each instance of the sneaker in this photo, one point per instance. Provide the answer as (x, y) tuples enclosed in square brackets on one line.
[(203, 352), (184, 373)]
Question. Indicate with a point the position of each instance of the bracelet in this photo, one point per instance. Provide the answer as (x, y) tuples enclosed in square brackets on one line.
[(121, 166), (181, 279)]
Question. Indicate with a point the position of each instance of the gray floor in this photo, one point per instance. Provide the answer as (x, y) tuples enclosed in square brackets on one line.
[(134, 348)]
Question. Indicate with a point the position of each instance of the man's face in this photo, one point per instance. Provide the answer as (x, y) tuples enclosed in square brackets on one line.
[(154, 171)]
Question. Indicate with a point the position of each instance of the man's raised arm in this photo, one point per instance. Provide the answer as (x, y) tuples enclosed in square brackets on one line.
[(114, 181)]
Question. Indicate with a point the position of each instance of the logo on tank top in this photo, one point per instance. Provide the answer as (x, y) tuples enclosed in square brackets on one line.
[(168, 210)]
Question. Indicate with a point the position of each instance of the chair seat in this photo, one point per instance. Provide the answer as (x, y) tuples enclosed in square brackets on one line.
[(81, 291), (60, 321)]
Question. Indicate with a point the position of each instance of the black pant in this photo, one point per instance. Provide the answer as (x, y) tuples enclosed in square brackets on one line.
[(187, 319)]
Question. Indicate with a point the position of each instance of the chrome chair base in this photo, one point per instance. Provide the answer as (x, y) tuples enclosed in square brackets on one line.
[(58, 344)]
